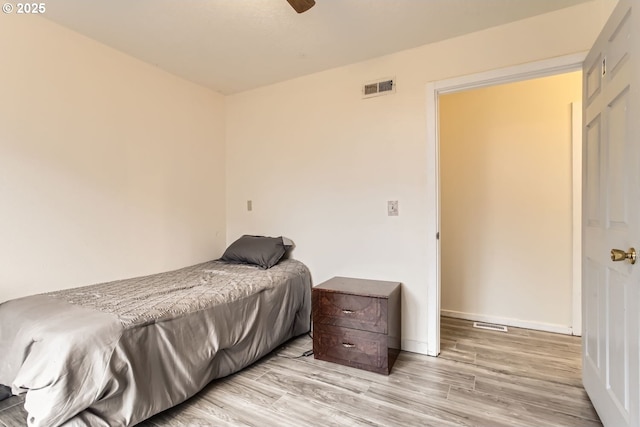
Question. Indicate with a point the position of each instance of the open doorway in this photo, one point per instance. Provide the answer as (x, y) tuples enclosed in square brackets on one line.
[(523, 72), (506, 196)]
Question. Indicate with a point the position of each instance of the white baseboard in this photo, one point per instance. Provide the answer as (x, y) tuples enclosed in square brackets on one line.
[(414, 346), (516, 323)]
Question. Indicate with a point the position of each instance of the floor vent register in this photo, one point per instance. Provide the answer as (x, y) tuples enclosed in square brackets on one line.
[(490, 326)]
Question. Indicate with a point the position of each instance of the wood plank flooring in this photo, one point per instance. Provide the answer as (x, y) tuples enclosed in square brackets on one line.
[(482, 378)]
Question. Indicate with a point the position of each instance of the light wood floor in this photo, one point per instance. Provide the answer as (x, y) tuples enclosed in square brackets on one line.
[(482, 378)]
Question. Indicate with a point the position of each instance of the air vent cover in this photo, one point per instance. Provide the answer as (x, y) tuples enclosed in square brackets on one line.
[(490, 326), (380, 87)]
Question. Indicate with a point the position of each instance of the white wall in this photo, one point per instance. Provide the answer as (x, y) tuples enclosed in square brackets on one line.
[(506, 202), (109, 167), (320, 163)]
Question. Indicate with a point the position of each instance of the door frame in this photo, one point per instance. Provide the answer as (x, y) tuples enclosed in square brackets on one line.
[(544, 68)]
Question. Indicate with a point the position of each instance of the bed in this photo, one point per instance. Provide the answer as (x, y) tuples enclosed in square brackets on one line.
[(116, 353)]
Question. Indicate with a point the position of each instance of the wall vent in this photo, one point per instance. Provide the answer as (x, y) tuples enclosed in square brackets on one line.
[(380, 87), (490, 326)]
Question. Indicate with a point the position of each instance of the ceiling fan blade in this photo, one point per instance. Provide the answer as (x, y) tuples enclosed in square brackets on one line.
[(301, 5)]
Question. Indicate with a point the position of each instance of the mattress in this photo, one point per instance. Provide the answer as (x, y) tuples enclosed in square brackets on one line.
[(116, 353)]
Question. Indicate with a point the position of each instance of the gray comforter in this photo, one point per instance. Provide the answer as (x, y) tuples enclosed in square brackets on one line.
[(116, 353)]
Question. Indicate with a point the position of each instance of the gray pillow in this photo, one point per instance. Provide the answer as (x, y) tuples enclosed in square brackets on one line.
[(256, 250), (5, 392)]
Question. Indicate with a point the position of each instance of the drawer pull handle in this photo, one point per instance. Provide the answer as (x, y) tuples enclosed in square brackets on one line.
[(348, 345), (347, 311)]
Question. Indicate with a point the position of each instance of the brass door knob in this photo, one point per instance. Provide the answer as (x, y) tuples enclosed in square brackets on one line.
[(620, 255)]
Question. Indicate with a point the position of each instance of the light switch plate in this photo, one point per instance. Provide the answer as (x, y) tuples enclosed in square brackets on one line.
[(392, 208)]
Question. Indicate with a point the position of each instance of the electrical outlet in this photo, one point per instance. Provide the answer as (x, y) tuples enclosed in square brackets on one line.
[(249, 205), (392, 208)]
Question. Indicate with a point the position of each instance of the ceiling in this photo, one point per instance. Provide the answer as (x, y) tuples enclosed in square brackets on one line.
[(235, 45)]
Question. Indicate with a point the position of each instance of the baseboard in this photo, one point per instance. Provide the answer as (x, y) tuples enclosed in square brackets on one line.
[(516, 323), (414, 346)]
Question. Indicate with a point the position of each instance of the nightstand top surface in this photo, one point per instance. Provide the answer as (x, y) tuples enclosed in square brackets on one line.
[(364, 287)]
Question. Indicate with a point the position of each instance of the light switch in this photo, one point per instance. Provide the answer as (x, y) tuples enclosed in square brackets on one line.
[(249, 205)]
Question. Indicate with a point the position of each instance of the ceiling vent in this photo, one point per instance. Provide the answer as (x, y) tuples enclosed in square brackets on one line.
[(377, 88)]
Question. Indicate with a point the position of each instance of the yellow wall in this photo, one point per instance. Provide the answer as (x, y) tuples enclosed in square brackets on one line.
[(109, 167), (506, 191)]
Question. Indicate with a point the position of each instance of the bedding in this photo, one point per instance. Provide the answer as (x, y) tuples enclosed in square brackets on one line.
[(114, 354)]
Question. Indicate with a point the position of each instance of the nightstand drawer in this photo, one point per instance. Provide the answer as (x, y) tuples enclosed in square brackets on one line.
[(350, 311), (351, 347)]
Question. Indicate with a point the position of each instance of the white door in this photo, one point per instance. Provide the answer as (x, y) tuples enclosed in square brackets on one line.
[(611, 219)]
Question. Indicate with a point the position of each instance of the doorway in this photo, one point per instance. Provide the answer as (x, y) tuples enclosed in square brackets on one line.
[(434, 91), (506, 202)]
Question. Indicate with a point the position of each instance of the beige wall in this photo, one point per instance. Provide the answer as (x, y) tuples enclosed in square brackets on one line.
[(506, 194), (320, 163), (109, 168)]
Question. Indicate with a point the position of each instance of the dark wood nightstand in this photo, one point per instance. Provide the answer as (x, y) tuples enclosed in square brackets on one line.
[(356, 322)]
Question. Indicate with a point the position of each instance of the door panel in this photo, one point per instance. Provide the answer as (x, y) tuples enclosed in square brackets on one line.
[(617, 186), (592, 80), (590, 313), (618, 360), (592, 170), (617, 53)]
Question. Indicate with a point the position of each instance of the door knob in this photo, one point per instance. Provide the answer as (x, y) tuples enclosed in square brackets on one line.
[(620, 255)]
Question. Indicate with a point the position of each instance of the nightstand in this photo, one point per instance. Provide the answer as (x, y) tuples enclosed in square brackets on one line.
[(356, 322)]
